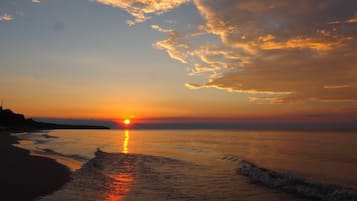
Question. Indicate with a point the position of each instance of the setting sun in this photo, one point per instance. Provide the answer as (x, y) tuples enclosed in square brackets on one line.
[(126, 121)]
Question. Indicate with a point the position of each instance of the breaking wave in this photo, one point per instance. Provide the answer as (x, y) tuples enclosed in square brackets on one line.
[(291, 183), (73, 156)]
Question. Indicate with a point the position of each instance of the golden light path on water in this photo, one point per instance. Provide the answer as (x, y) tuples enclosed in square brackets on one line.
[(123, 180), (126, 142)]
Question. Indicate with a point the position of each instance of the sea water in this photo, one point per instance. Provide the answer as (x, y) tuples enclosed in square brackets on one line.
[(191, 164)]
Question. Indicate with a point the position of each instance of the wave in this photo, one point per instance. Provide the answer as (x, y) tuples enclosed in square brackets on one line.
[(111, 176), (49, 136), (119, 176), (73, 156), (290, 183)]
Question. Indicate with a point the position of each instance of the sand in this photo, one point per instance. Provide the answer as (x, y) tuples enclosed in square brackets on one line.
[(24, 177)]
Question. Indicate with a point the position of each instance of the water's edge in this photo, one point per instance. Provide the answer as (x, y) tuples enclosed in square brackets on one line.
[(290, 183)]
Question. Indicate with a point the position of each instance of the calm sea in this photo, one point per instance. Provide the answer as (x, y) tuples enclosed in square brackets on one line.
[(199, 164)]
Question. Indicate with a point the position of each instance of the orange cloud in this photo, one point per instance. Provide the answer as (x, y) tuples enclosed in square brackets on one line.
[(286, 50), (233, 89), (142, 9), (174, 46), (347, 21), (159, 29), (6, 17), (273, 47), (336, 86), (311, 43)]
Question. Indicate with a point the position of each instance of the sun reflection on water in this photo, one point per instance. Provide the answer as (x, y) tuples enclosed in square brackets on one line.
[(122, 180), (126, 142), (120, 187)]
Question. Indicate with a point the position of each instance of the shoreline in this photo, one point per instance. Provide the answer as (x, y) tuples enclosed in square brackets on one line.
[(27, 177), (293, 184)]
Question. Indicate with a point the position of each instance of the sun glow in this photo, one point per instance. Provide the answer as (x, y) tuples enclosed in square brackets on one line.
[(126, 121)]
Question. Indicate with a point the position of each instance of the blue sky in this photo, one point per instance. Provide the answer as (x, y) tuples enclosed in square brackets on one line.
[(138, 58)]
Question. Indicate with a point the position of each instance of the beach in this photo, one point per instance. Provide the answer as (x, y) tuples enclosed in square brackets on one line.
[(24, 177)]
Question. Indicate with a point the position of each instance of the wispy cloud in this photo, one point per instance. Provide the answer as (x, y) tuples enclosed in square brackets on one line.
[(266, 100), (159, 29), (174, 45), (272, 47), (248, 91), (336, 86), (6, 17), (142, 10), (347, 21), (36, 1), (287, 50)]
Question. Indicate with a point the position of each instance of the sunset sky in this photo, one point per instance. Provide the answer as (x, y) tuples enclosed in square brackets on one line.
[(238, 59)]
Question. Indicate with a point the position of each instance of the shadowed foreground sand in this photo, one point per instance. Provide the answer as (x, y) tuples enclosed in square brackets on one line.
[(24, 177)]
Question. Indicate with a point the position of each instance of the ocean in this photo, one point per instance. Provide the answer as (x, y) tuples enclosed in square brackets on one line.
[(192, 164)]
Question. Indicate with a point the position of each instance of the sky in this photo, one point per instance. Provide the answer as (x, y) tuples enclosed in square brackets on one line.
[(180, 59)]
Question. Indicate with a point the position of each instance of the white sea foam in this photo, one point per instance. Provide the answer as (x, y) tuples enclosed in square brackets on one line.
[(289, 182)]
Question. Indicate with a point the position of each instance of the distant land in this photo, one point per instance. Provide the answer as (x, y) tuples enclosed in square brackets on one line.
[(195, 123), (12, 121)]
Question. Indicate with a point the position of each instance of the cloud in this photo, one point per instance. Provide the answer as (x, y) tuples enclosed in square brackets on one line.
[(6, 17), (142, 10), (336, 86), (266, 100), (232, 89), (280, 50), (36, 1), (347, 21), (288, 51), (174, 46), (159, 29)]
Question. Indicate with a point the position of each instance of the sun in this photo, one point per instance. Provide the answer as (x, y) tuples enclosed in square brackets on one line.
[(126, 121)]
